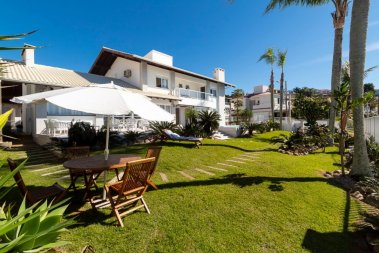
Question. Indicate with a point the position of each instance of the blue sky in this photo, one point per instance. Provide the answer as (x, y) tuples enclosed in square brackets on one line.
[(201, 35)]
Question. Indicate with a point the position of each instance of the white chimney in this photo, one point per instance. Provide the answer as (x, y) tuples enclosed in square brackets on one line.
[(160, 57), (28, 54), (219, 74)]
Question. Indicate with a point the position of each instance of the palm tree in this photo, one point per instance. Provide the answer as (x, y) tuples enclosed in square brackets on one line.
[(238, 94), (339, 15), (358, 36), (270, 58), (282, 57)]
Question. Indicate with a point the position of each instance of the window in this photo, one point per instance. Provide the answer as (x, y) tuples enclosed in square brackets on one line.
[(187, 87), (180, 85), (278, 99), (213, 92), (167, 108), (162, 82)]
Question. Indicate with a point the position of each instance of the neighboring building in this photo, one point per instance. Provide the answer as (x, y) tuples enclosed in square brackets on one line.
[(260, 103), (154, 76)]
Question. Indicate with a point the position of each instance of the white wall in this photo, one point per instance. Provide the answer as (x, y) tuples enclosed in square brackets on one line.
[(154, 72), (120, 65), (372, 127), (193, 82)]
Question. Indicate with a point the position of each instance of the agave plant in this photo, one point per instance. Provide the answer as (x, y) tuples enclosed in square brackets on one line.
[(32, 229)]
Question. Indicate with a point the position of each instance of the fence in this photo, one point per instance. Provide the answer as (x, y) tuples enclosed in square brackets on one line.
[(372, 127)]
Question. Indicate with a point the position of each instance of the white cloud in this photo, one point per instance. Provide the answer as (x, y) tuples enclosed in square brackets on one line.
[(372, 47), (373, 23)]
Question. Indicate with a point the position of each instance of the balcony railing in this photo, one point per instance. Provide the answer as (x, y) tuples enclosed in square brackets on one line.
[(180, 92)]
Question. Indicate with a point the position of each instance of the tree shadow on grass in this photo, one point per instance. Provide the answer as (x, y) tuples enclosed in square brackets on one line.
[(242, 181), (241, 149), (343, 241)]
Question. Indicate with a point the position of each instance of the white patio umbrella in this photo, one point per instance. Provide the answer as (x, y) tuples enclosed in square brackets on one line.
[(104, 99)]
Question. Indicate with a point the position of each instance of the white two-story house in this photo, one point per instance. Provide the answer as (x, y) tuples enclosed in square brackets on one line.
[(260, 103), (155, 73)]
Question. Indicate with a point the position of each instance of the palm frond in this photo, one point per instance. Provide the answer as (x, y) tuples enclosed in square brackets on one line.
[(281, 4), (16, 36), (282, 57), (269, 56)]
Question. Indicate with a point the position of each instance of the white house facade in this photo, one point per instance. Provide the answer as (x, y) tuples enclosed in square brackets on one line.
[(153, 75)]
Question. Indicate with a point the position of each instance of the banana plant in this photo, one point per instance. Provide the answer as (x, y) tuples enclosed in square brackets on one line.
[(344, 104)]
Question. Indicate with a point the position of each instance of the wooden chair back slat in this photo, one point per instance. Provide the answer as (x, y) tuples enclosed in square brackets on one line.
[(154, 151), (77, 152), (136, 174), (18, 178)]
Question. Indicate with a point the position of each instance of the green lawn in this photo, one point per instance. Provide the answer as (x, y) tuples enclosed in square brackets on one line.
[(271, 203)]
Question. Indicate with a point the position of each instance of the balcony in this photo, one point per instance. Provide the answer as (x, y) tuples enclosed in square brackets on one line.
[(186, 93), (195, 98)]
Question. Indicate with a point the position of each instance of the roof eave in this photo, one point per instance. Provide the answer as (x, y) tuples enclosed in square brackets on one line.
[(140, 59)]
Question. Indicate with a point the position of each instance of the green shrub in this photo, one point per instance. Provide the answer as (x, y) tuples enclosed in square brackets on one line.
[(132, 136), (304, 141), (208, 122), (82, 134)]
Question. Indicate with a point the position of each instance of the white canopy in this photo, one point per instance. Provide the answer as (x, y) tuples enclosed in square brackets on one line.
[(104, 99)]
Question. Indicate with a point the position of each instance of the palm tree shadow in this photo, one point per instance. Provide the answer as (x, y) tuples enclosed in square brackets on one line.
[(344, 241)]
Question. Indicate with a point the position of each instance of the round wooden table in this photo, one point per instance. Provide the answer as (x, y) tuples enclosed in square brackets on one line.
[(98, 163), (91, 167)]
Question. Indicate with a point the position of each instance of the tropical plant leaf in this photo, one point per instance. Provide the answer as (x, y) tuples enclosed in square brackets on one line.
[(16, 36), (4, 118), (5, 178)]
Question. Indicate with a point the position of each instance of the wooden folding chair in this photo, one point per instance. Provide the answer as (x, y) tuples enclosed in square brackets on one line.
[(39, 193), (153, 151), (125, 194)]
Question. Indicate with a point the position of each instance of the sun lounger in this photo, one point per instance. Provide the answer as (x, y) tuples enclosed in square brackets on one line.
[(176, 137)]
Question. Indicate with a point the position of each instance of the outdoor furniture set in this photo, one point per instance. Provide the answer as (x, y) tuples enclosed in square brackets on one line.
[(122, 194)]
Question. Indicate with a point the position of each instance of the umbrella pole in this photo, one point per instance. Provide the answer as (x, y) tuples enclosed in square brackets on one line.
[(106, 153)]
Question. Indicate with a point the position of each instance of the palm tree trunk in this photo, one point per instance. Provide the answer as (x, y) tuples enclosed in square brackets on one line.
[(272, 93), (281, 100), (336, 73), (358, 36)]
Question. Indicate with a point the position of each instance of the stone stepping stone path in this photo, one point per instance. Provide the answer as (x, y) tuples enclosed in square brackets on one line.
[(215, 168), (234, 161), (55, 172), (250, 156), (186, 175), (229, 165), (47, 168), (164, 177), (205, 172), (242, 159)]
